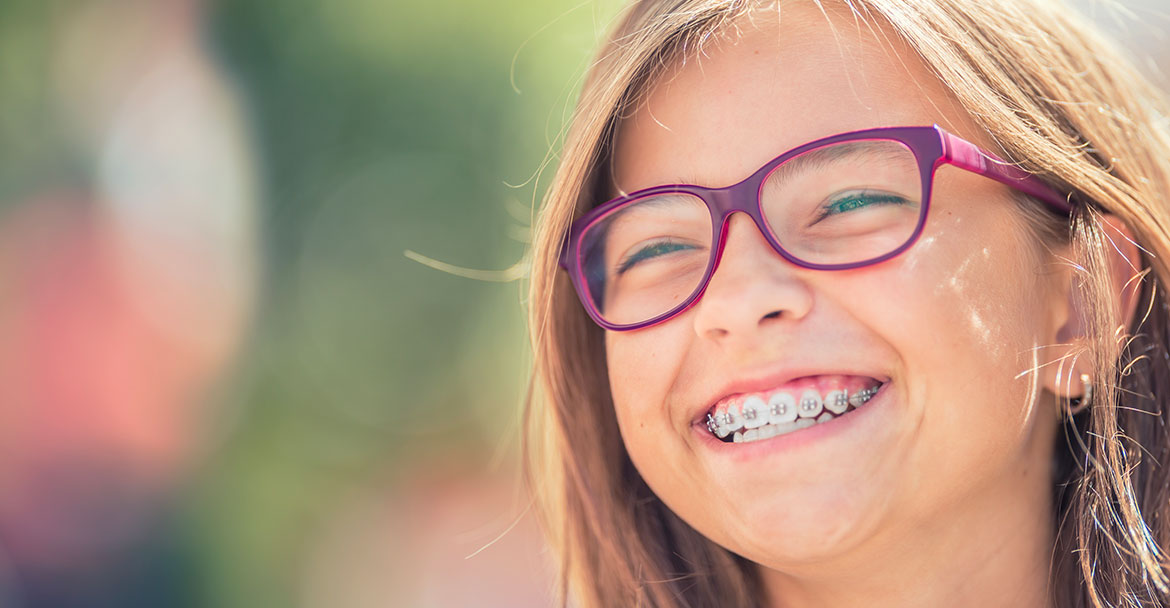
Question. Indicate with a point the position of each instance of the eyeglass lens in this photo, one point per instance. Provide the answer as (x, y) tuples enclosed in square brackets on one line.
[(844, 203)]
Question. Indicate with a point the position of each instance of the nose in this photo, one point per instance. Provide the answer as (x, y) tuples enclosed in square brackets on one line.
[(751, 288)]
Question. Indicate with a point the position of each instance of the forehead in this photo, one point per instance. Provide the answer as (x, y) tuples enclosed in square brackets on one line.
[(768, 84)]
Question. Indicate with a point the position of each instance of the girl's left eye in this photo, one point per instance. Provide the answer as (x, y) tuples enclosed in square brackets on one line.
[(651, 251), (859, 199)]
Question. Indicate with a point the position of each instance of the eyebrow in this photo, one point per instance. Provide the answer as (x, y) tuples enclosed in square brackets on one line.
[(827, 156), (818, 158), (617, 192), (658, 200)]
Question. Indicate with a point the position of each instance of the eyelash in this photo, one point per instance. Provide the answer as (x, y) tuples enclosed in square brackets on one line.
[(649, 252), (862, 199)]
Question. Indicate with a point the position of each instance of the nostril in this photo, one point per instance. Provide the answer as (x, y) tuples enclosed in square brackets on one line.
[(772, 315)]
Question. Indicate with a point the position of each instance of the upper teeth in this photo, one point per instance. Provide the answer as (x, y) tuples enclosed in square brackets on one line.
[(837, 401), (783, 408), (861, 396), (811, 404), (755, 412), (782, 411)]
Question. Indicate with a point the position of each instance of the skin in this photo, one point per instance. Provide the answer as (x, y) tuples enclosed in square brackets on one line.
[(940, 494)]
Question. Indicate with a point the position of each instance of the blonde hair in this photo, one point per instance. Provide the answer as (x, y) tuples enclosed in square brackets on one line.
[(1060, 101)]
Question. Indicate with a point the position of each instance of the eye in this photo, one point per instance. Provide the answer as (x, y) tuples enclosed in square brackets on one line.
[(853, 200), (651, 251)]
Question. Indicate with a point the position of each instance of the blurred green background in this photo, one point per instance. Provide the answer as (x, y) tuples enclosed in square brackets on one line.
[(385, 127), (360, 440)]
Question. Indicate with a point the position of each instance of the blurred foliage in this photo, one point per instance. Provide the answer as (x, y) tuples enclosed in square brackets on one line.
[(381, 127), (36, 147)]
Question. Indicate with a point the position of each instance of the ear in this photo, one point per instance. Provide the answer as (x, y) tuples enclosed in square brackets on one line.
[(1124, 265)]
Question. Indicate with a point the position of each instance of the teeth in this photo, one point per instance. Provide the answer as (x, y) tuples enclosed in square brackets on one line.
[(714, 425), (837, 401), (755, 412), (732, 420), (781, 408), (863, 395), (810, 405), (753, 419), (782, 428)]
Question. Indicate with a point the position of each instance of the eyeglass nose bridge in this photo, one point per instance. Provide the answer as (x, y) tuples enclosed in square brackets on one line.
[(742, 197)]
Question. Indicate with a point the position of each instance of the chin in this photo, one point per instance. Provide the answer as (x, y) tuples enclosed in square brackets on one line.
[(796, 529)]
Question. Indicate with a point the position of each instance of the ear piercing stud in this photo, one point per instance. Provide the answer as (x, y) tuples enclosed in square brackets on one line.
[(1077, 405)]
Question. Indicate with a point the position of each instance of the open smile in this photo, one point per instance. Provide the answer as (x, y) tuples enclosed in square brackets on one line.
[(797, 405)]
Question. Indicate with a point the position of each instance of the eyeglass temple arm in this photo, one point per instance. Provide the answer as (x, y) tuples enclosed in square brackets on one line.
[(966, 155)]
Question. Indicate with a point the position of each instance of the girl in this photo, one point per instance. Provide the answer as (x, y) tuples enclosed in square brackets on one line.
[(855, 303)]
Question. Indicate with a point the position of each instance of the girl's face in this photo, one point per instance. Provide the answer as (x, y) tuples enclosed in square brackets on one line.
[(957, 440)]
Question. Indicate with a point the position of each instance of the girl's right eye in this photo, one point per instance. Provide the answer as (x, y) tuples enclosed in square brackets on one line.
[(651, 251)]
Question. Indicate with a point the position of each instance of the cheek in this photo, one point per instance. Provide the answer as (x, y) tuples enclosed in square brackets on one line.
[(979, 296), (643, 367), (976, 319)]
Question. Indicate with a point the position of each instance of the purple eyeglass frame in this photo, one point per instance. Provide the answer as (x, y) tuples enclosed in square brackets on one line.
[(932, 147)]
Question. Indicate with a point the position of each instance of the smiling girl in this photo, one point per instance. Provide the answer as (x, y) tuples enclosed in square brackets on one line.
[(855, 304)]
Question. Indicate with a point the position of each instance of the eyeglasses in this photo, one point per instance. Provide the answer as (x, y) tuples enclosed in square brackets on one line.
[(842, 202)]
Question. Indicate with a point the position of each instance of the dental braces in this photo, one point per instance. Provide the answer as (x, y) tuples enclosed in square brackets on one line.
[(809, 405)]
